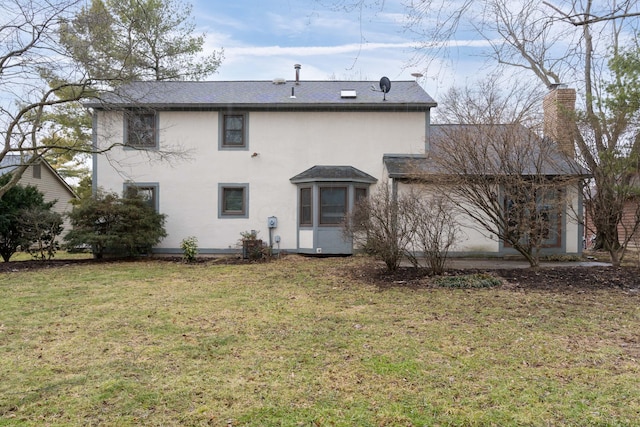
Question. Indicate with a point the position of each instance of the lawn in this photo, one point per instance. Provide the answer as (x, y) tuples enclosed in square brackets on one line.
[(304, 342)]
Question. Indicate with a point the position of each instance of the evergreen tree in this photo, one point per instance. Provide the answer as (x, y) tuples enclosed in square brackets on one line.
[(139, 40), (109, 224), (13, 204)]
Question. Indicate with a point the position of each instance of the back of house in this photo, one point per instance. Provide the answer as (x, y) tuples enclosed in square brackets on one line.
[(287, 159)]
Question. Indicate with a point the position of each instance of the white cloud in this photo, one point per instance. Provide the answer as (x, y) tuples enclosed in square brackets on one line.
[(315, 50)]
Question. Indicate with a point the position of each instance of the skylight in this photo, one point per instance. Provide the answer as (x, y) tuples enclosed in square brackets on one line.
[(348, 93)]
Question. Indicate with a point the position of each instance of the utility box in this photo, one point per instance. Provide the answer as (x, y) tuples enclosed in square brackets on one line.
[(272, 222)]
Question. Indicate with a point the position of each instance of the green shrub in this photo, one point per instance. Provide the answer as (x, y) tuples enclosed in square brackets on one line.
[(562, 258), (21, 212), (109, 224), (189, 246), (478, 280), (40, 228)]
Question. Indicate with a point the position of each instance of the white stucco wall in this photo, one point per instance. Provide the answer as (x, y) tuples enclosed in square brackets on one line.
[(475, 239), (285, 143), (572, 222), (472, 238)]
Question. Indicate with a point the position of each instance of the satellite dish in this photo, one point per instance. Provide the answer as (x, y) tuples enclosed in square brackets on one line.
[(385, 86)]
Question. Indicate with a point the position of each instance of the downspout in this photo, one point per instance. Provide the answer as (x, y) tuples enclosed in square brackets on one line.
[(94, 155), (427, 130), (394, 214)]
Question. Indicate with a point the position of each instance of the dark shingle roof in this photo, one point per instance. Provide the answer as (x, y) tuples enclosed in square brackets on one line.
[(531, 160), (405, 95), (334, 174), (11, 161)]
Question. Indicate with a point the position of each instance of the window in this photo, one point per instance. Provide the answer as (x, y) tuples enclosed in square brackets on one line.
[(548, 205), (333, 205), (233, 200), (141, 130), (306, 206), (148, 192), (361, 194), (37, 170), (537, 216), (233, 131)]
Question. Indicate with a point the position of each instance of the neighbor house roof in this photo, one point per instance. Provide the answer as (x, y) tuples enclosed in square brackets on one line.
[(267, 95), (11, 161)]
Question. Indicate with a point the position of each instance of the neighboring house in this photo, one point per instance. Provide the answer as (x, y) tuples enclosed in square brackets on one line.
[(629, 220), (285, 158), (42, 176)]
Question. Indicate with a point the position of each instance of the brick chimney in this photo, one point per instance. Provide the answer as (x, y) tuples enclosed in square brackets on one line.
[(559, 122)]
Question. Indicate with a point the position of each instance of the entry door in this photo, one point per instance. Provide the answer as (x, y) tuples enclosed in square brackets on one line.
[(333, 205)]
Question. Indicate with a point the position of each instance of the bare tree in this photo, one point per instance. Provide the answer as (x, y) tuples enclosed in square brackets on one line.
[(380, 227), (624, 9), (575, 42), (605, 131), (35, 76), (43, 71), (393, 225), (503, 175), (437, 229)]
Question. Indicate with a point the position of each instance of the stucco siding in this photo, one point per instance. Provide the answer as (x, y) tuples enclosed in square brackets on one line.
[(475, 239), (471, 239), (280, 145), (572, 222)]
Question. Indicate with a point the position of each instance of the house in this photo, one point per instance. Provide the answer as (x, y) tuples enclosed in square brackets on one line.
[(45, 178), (630, 213), (285, 158), (545, 196)]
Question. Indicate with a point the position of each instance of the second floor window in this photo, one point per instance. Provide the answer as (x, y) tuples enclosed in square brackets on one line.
[(234, 131), (141, 130)]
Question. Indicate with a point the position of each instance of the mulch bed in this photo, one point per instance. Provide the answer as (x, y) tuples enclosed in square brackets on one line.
[(563, 278)]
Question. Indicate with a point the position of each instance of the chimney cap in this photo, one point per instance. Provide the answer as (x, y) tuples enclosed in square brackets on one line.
[(297, 66), (554, 86)]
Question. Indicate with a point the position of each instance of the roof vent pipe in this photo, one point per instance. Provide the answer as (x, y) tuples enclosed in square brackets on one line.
[(297, 67)]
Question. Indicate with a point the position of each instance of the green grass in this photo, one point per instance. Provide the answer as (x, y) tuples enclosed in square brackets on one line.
[(297, 342)]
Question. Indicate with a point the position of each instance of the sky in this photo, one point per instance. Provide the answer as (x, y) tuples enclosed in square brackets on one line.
[(262, 40)]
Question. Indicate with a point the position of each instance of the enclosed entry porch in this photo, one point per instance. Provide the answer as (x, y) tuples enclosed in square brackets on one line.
[(326, 194)]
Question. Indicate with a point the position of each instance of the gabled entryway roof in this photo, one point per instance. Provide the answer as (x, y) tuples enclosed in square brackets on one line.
[(333, 173)]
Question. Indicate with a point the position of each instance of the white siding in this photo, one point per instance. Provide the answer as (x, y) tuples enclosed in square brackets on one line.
[(472, 238), (53, 189), (285, 144)]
